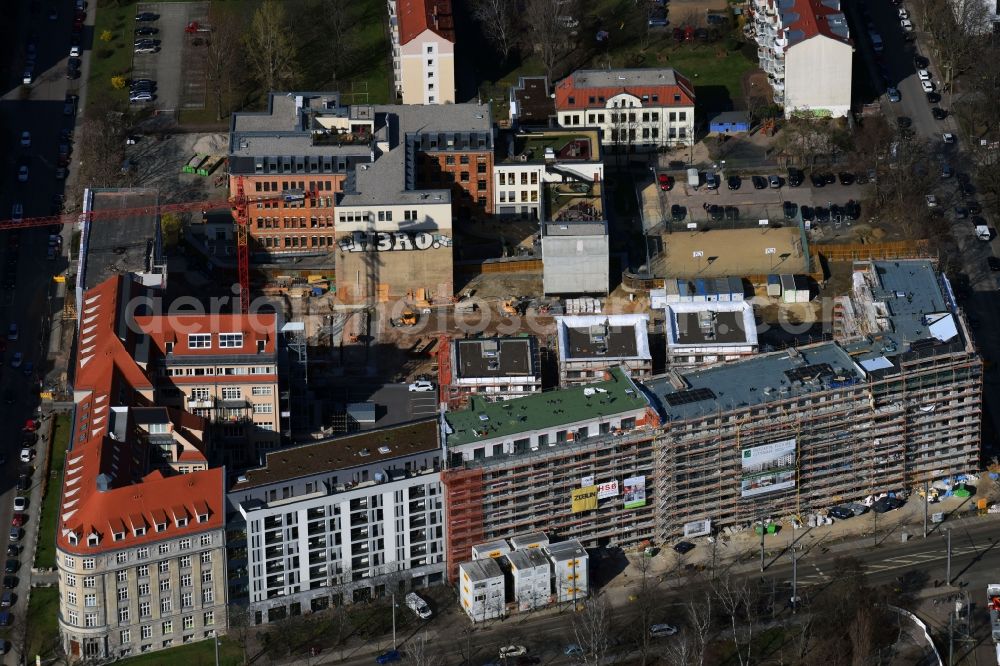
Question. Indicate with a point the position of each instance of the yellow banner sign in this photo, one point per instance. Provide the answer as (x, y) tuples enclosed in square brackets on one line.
[(585, 499)]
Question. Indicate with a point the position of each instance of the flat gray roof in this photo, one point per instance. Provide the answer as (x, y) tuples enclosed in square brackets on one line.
[(494, 357), (527, 558), (118, 245), (755, 381), (482, 569), (602, 78), (569, 228)]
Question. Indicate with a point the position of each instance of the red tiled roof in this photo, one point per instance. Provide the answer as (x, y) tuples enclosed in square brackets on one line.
[(176, 328), (567, 88), (416, 16), (103, 483), (812, 20)]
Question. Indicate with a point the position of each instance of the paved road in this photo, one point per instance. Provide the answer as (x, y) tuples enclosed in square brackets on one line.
[(27, 287)]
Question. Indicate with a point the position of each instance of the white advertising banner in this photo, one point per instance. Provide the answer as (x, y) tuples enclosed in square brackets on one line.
[(609, 489), (768, 468)]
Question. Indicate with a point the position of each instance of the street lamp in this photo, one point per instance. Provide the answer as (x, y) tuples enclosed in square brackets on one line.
[(215, 639)]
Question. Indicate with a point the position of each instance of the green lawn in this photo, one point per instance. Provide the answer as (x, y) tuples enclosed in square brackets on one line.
[(43, 621), (45, 556), (114, 56), (201, 653)]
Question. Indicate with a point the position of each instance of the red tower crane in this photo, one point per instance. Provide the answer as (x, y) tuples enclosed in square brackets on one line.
[(238, 204)]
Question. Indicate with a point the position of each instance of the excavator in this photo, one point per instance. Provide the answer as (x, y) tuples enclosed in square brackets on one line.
[(407, 318)]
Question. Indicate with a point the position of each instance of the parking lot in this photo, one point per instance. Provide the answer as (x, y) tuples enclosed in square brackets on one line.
[(178, 67)]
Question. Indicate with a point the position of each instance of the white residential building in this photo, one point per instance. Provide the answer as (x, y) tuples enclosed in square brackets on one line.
[(805, 48), (641, 109), (590, 345), (338, 521), (710, 332), (423, 50)]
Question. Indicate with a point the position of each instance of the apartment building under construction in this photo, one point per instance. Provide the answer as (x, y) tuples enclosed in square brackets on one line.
[(895, 401), (575, 463)]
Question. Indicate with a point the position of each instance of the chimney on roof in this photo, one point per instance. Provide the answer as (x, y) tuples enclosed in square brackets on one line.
[(103, 482)]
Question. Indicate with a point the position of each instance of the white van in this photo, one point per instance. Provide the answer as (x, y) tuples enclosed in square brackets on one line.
[(418, 606)]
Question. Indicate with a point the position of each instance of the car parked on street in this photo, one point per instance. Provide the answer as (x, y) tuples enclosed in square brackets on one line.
[(421, 386)]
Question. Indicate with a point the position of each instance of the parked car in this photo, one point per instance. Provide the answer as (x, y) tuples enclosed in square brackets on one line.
[(933, 97), (666, 182), (389, 657), (146, 30), (10, 582), (508, 651), (7, 599), (717, 213), (421, 386), (774, 181), (927, 86), (26, 139), (678, 213), (11, 566), (20, 503), (795, 177), (808, 213), (846, 178), (711, 180), (791, 210), (892, 94), (27, 455), (887, 504), (145, 17), (734, 182), (662, 630), (683, 547), (920, 62), (817, 179), (948, 137), (759, 182)]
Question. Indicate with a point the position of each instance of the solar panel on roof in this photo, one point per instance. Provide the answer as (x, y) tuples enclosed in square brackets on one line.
[(807, 371), (678, 398)]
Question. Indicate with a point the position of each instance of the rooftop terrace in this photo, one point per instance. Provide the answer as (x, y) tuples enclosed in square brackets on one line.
[(489, 420), (574, 202), (562, 146)]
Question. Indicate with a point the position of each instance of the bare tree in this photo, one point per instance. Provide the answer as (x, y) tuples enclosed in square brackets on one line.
[(335, 16), (698, 613), (240, 626), (496, 18), (223, 56), (646, 601), (592, 630), (548, 38), (738, 602), (419, 654), (270, 49), (861, 633)]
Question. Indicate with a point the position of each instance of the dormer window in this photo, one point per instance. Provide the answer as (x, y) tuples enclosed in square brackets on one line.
[(230, 340), (170, 347), (181, 521), (199, 341), (260, 346), (73, 539), (202, 517), (93, 539), (139, 531), (161, 527), (117, 536)]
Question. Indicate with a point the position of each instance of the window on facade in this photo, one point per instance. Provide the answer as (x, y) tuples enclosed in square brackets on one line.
[(74, 618), (89, 581), (206, 576), (122, 593), (206, 557), (125, 635), (90, 619), (209, 618), (70, 580), (143, 570), (167, 627), (186, 562), (187, 600), (166, 605), (185, 544), (122, 576), (186, 580), (90, 600), (199, 393), (146, 631), (123, 615), (142, 553), (206, 540), (71, 598), (165, 585), (231, 393), (143, 589), (208, 595), (199, 340), (188, 622), (164, 567)]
